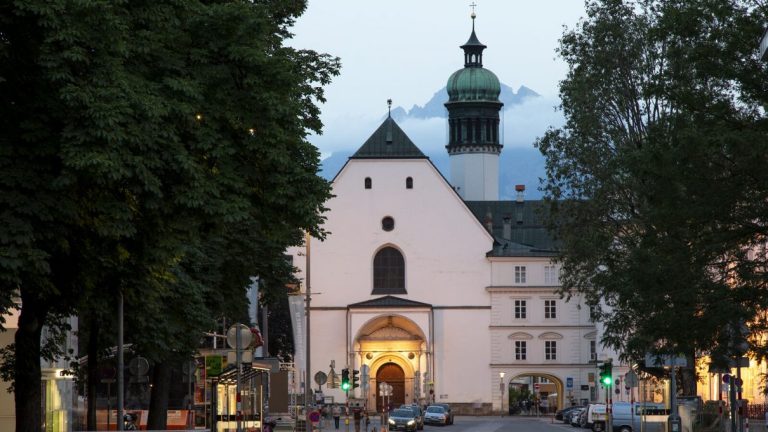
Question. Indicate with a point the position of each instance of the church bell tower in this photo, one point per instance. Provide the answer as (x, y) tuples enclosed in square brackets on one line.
[(473, 122)]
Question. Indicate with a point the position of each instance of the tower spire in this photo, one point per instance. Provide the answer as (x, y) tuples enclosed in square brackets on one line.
[(473, 49)]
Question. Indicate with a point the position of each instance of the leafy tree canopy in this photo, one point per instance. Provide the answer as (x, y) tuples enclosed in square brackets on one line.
[(142, 143), (657, 181)]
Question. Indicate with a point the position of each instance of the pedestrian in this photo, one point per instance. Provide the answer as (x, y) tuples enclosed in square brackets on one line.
[(766, 420), (336, 415)]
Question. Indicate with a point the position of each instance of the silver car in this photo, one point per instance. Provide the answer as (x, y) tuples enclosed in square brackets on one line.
[(436, 415)]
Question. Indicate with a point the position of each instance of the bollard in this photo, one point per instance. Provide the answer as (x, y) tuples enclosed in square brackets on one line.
[(746, 425)]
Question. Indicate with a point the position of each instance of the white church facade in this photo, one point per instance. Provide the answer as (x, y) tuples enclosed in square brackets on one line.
[(442, 290)]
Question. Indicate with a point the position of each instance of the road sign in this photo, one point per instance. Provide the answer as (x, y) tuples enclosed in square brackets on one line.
[(321, 378), (665, 360), (738, 362), (630, 379), (245, 336), (569, 383), (536, 386)]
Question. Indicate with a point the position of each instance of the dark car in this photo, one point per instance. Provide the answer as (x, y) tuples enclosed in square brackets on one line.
[(418, 414), (448, 411), (436, 415), (564, 414), (403, 419)]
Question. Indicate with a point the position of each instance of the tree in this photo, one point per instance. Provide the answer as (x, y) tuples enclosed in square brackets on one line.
[(135, 136), (654, 182)]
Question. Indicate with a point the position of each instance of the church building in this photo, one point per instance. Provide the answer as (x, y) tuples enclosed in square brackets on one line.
[(434, 285)]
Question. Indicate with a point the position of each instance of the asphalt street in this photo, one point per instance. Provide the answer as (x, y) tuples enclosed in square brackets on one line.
[(481, 424)]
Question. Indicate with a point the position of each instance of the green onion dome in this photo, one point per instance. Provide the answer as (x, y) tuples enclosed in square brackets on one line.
[(473, 84)]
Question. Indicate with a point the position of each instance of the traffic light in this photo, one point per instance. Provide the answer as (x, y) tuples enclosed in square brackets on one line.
[(355, 379), (606, 374), (345, 379)]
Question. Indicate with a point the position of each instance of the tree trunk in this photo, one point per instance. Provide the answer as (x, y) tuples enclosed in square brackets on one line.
[(93, 372), (158, 403), (27, 379)]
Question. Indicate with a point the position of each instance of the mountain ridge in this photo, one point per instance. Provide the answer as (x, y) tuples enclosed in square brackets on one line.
[(435, 106)]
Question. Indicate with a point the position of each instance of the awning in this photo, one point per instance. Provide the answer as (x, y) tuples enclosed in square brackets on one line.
[(229, 375)]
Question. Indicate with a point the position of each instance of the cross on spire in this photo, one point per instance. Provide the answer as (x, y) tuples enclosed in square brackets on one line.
[(389, 107), (473, 5)]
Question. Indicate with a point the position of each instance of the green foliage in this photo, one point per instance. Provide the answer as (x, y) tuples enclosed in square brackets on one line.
[(657, 181), (156, 148)]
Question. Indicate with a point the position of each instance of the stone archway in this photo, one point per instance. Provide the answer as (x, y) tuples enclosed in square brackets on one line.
[(552, 391), (395, 349), (392, 374)]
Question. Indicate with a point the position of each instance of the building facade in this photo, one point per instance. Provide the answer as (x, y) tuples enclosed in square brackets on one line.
[(438, 288)]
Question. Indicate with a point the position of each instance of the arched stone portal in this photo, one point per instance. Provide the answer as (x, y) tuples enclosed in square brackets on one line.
[(395, 349), (392, 374), (551, 391)]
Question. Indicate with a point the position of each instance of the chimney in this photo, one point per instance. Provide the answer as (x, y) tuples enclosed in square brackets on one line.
[(520, 189), (489, 221), (507, 233)]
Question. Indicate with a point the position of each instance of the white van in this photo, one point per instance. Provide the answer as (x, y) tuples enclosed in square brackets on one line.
[(627, 417), (596, 417)]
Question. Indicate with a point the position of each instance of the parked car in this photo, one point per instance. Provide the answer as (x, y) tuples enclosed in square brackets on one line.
[(564, 414), (435, 415), (417, 412), (448, 411), (403, 419), (583, 416), (575, 417)]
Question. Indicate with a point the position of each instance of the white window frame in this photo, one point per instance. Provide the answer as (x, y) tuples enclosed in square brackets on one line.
[(550, 350), (550, 275), (520, 309), (521, 350), (520, 274), (550, 309)]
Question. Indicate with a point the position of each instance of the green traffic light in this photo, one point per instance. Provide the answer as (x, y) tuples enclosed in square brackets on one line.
[(607, 380), (345, 386)]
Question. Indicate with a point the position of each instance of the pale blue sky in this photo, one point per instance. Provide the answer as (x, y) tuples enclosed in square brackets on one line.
[(407, 49)]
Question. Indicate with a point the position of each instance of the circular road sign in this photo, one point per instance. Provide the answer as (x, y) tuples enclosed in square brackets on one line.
[(536, 386), (245, 336), (321, 378)]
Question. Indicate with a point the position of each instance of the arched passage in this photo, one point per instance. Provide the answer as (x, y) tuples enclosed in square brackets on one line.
[(392, 374), (545, 389)]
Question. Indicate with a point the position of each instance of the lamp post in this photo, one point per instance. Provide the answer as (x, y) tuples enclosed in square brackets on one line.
[(501, 389)]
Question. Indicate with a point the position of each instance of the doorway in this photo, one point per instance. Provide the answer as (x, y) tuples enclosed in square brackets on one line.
[(392, 374)]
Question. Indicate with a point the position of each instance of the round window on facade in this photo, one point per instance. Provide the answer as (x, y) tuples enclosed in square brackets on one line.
[(387, 224)]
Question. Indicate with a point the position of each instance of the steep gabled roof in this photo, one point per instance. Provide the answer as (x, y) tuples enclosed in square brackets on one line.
[(388, 142), (390, 302)]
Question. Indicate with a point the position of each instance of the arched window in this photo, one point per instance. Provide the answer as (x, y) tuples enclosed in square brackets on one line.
[(388, 272), (368, 182), (409, 183)]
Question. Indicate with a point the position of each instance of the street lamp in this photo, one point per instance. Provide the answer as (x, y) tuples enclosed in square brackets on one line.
[(501, 389)]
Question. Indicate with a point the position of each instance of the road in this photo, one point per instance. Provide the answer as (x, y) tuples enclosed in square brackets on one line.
[(484, 424)]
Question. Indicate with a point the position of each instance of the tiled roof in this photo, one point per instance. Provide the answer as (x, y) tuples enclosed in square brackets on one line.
[(388, 142), (527, 234), (391, 302)]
